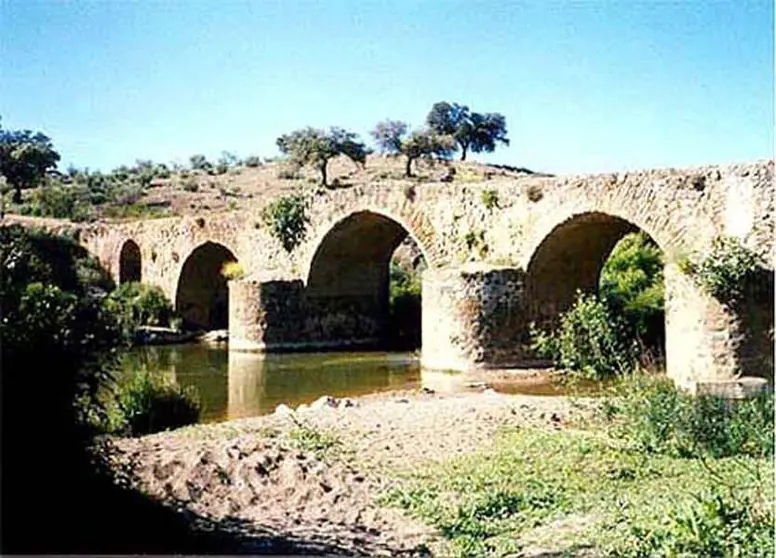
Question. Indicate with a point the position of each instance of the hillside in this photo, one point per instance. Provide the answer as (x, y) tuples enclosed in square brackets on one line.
[(149, 190)]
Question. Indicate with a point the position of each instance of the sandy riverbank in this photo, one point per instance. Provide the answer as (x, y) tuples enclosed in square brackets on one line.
[(249, 473)]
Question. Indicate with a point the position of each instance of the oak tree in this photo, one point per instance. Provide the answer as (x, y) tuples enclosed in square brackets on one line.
[(393, 136), (473, 131), (25, 158), (313, 146)]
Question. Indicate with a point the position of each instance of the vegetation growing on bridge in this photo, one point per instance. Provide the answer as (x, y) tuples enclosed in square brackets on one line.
[(728, 271), (287, 220)]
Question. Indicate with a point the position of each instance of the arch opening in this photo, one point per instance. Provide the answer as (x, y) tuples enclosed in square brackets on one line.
[(349, 285), (130, 263), (606, 256), (202, 296)]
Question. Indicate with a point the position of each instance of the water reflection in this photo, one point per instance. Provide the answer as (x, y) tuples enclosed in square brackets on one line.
[(236, 385)]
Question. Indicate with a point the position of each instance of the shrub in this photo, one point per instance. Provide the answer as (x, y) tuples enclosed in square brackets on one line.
[(191, 185), (716, 524), (489, 199), (726, 270), (199, 162), (148, 402), (287, 220), (650, 414), (136, 305), (232, 270), (56, 341), (590, 341), (60, 202), (252, 161)]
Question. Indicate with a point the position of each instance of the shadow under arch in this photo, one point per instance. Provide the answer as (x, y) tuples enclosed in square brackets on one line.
[(202, 294), (130, 262), (348, 280)]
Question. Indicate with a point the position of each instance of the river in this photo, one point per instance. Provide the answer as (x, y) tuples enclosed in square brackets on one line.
[(234, 385)]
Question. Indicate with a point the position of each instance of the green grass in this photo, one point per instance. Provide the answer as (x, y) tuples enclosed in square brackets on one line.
[(610, 498), (310, 439)]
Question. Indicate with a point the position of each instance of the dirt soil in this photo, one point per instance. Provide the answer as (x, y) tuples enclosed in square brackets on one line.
[(249, 475)]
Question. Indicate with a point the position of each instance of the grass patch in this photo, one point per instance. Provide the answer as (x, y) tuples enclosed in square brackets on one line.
[(574, 489), (308, 438)]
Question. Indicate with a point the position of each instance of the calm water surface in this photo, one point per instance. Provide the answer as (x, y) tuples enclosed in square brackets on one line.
[(237, 385)]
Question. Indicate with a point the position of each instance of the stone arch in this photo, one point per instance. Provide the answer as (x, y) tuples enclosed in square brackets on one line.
[(130, 262), (347, 280), (202, 294), (569, 258)]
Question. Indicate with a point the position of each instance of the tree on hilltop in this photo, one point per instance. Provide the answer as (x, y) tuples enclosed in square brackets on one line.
[(392, 136), (312, 146), (473, 131), (25, 158)]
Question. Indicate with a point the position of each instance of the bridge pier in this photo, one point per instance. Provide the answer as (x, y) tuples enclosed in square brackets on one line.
[(714, 348), (281, 315), (473, 318), (265, 315)]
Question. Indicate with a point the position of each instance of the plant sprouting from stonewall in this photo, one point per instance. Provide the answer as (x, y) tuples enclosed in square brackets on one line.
[(393, 136), (287, 220), (312, 146), (726, 271)]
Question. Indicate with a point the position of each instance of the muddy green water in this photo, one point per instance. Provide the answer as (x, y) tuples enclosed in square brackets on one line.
[(237, 385)]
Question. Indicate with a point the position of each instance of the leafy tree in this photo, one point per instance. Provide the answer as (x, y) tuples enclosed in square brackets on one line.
[(392, 137), (25, 157), (200, 162), (632, 285), (313, 146), (473, 131)]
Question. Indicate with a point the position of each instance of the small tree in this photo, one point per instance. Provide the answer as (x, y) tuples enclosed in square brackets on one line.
[(312, 146), (391, 137), (25, 157), (473, 131)]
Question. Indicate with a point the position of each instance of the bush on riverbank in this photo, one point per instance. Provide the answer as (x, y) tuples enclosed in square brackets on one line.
[(632, 287), (651, 415), (137, 304), (590, 341), (609, 333), (145, 403)]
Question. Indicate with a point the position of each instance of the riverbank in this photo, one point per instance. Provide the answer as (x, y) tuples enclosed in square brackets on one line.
[(313, 477), (456, 474)]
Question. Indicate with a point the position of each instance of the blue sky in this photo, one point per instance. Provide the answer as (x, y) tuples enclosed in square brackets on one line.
[(589, 86)]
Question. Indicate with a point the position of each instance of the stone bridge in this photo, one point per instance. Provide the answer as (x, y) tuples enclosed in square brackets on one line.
[(492, 267)]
